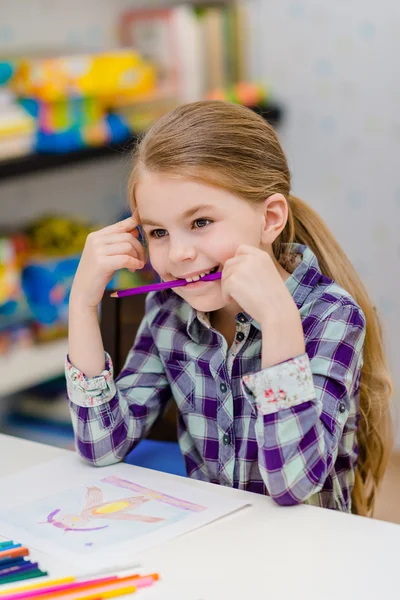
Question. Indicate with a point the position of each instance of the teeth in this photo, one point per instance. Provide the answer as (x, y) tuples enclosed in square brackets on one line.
[(197, 277)]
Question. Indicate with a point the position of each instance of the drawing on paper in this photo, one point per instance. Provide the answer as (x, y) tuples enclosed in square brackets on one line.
[(107, 511), (96, 508)]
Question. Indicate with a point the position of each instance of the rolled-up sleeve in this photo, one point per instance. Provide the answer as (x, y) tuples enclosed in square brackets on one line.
[(302, 406), (110, 417)]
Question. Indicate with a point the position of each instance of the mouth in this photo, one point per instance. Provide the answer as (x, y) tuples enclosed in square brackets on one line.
[(200, 275)]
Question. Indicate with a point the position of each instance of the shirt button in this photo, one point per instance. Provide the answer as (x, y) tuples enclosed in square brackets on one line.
[(240, 336), (242, 319), (342, 407), (226, 439), (223, 388)]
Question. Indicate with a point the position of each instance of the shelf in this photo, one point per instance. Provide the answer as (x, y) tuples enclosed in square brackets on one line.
[(38, 163), (30, 366)]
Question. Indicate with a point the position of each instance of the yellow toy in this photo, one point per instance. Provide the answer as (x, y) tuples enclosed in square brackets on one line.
[(107, 76)]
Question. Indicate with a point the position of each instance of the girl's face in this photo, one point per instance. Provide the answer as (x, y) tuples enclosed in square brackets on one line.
[(192, 228)]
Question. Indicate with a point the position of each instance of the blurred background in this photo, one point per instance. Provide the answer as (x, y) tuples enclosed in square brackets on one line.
[(78, 82)]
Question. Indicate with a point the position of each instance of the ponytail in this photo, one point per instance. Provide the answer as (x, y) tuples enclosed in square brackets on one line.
[(374, 434)]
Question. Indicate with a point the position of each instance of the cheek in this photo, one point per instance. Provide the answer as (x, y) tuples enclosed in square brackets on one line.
[(227, 241), (156, 260)]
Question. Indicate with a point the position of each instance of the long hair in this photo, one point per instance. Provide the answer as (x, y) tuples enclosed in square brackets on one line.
[(231, 147)]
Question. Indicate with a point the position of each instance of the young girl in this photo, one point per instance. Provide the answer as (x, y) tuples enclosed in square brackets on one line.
[(277, 369)]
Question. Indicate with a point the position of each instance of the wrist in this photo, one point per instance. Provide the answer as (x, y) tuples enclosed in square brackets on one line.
[(78, 303), (281, 343)]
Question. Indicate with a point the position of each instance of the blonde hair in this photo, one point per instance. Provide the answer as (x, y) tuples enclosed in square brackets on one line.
[(229, 146)]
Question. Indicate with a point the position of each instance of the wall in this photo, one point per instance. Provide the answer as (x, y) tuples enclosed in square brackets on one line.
[(335, 66)]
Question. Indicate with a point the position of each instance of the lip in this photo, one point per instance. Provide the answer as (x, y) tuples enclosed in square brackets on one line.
[(195, 274)]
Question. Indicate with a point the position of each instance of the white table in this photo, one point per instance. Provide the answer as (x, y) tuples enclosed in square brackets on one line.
[(262, 551)]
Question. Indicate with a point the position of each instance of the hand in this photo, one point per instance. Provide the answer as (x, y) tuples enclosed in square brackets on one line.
[(253, 281), (107, 250)]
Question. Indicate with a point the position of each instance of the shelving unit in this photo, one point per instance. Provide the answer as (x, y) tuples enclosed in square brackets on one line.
[(38, 163)]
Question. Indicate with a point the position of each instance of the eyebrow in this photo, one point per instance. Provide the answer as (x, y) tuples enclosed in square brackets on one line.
[(185, 215)]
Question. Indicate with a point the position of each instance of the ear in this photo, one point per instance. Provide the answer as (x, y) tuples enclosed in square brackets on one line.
[(274, 217)]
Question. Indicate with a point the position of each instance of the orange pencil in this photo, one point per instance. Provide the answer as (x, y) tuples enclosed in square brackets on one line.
[(15, 553)]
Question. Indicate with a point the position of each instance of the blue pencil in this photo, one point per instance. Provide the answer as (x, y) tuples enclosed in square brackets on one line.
[(9, 562), (8, 545), (25, 566)]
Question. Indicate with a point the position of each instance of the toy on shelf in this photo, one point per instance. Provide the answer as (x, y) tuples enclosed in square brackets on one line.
[(55, 246), (75, 98), (17, 127), (246, 93), (15, 330), (56, 243)]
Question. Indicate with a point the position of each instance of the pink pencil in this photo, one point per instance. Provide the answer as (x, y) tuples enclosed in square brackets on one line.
[(76, 586), (164, 285)]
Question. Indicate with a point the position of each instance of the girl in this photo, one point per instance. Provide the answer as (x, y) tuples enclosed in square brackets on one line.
[(277, 369)]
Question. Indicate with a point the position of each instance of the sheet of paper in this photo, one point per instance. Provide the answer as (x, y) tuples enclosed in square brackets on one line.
[(102, 517)]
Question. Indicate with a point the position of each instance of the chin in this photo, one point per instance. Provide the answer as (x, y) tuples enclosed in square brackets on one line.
[(204, 303)]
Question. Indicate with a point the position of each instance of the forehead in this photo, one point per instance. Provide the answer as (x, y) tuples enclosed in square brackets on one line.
[(171, 196)]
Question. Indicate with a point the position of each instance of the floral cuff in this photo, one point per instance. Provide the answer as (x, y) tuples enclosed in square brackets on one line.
[(92, 391), (281, 386)]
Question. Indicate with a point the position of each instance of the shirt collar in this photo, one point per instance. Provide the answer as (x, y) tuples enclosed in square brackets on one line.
[(300, 284)]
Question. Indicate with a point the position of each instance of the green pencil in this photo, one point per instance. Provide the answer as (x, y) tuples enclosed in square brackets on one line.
[(6, 544), (21, 576)]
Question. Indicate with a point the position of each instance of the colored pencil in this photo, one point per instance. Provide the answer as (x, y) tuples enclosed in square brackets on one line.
[(97, 595), (25, 566), (25, 575), (127, 570), (164, 285), (12, 562), (36, 586), (75, 586), (8, 545), (13, 553)]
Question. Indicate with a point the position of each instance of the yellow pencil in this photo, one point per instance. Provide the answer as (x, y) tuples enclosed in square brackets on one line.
[(38, 586), (97, 595)]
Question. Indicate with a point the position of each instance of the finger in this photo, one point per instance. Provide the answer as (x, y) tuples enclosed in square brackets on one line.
[(122, 248), (230, 265), (123, 261), (246, 249), (119, 238), (116, 238), (128, 224)]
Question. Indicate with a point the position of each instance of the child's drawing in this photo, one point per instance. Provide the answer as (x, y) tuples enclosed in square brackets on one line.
[(100, 514), (121, 510)]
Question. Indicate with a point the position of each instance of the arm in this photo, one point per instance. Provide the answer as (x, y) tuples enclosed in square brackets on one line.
[(85, 345), (110, 417), (303, 404), (107, 250)]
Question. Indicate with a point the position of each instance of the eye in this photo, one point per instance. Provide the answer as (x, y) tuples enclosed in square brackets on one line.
[(158, 233), (200, 223)]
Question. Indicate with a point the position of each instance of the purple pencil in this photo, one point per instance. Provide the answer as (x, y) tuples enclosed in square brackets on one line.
[(164, 285)]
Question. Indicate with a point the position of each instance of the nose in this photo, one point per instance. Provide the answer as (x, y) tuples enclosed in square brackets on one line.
[(180, 251)]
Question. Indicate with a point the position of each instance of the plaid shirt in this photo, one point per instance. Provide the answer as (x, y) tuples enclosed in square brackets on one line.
[(288, 431)]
